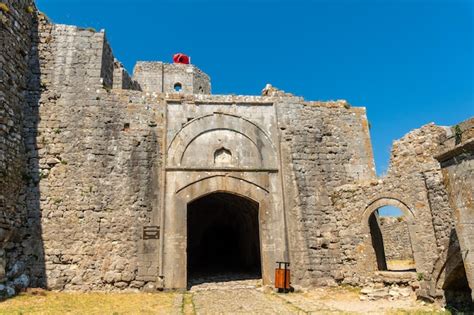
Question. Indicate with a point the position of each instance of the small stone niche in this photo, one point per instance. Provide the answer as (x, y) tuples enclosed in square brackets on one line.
[(222, 156)]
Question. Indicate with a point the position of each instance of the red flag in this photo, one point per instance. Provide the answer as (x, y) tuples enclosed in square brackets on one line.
[(181, 58)]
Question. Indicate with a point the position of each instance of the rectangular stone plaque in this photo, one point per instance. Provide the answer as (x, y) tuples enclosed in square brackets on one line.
[(151, 232)]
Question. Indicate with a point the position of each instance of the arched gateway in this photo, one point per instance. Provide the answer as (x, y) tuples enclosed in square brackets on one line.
[(223, 205), (223, 238)]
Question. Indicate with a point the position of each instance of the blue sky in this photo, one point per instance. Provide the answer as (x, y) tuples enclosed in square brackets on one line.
[(408, 62)]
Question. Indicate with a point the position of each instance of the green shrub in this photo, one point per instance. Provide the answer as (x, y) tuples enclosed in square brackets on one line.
[(457, 134), (420, 276)]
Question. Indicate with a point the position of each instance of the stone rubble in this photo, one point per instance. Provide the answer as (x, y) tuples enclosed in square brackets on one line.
[(393, 292)]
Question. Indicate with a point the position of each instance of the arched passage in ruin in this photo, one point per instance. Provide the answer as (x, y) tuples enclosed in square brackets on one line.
[(222, 238), (389, 222)]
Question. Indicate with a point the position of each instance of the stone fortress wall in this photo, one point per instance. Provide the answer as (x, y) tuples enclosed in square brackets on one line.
[(17, 33), (93, 158)]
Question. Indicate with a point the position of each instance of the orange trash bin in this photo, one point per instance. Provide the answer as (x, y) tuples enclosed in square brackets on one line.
[(282, 276)]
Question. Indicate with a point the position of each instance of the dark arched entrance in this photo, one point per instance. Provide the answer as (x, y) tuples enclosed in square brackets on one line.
[(223, 239), (456, 288)]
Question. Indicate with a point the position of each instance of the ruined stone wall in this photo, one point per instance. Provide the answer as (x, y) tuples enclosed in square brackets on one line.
[(15, 39), (92, 170), (81, 59), (413, 185), (201, 82), (396, 238), (107, 65), (17, 35), (328, 147), (441, 211), (122, 79)]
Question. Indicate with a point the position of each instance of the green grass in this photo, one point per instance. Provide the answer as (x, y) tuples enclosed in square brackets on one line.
[(46, 302)]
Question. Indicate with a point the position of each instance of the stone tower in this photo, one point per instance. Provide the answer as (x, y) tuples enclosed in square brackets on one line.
[(162, 77)]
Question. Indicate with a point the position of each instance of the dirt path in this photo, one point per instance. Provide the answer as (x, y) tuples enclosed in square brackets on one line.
[(248, 296)]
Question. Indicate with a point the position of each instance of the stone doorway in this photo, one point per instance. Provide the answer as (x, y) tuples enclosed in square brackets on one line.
[(223, 239), (392, 229), (391, 239)]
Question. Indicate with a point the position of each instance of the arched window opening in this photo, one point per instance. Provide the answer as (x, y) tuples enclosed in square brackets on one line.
[(391, 239), (178, 87)]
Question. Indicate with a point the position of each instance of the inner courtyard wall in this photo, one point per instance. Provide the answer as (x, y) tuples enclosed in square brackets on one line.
[(396, 238), (328, 147)]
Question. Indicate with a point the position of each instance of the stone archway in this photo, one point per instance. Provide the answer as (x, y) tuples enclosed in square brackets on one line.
[(386, 201), (371, 226), (220, 153), (270, 223)]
